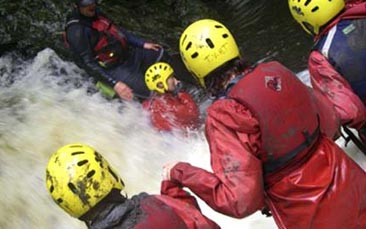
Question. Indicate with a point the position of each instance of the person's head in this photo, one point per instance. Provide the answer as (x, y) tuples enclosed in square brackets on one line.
[(159, 77), (86, 8), (206, 46), (78, 178), (313, 14)]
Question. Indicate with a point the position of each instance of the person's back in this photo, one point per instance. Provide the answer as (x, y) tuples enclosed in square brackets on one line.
[(267, 142), (83, 184), (169, 108), (290, 182), (149, 211)]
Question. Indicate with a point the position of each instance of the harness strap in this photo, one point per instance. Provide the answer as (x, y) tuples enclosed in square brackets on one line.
[(273, 165), (351, 136)]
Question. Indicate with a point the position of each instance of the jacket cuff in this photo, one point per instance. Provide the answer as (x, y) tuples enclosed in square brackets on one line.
[(177, 172)]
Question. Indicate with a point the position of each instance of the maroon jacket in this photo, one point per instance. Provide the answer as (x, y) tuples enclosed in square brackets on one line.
[(316, 189), (155, 211)]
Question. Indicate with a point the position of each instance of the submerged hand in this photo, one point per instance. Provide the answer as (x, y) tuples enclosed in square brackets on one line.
[(152, 46), (167, 168), (123, 91)]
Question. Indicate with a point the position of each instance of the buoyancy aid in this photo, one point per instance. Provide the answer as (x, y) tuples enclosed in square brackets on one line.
[(111, 47), (342, 42), (285, 109)]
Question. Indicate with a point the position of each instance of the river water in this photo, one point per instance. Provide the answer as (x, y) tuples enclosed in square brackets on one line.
[(48, 105), (45, 103)]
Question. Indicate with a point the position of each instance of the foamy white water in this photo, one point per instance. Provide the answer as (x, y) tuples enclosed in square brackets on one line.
[(43, 110)]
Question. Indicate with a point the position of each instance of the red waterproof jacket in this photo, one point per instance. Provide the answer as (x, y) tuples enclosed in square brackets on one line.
[(317, 190), (168, 111), (332, 84)]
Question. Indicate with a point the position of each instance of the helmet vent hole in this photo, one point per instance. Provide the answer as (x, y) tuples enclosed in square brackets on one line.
[(99, 158), (225, 35), (210, 43), (189, 46), (72, 188), (315, 9), (218, 26), (77, 153), (194, 55), (52, 188), (307, 2), (81, 163), (59, 200), (113, 174), (90, 174)]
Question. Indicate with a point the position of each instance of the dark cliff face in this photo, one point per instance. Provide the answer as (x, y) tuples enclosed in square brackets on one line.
[(262, 28)]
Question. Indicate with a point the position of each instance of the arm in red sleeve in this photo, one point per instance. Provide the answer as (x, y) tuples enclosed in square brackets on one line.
[(329, 82), (235, 187), (176, 191)]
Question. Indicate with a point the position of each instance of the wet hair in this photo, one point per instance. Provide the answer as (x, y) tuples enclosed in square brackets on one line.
[(216, 80)]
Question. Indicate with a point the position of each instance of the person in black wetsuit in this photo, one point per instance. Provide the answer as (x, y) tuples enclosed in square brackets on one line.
[(109, 52)]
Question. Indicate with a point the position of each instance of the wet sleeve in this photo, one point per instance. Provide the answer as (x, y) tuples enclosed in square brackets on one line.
[(132, 39), (79, 42), (235, 185), (325, 79), (176, 191)]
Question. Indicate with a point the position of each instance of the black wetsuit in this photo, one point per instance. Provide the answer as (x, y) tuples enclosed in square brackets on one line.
[(82, 39)]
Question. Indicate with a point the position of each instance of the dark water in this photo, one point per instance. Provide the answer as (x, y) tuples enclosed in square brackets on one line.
[(262, 28), (266, 28)]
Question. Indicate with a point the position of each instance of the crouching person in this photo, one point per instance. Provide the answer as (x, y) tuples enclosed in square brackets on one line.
[(84, 185)]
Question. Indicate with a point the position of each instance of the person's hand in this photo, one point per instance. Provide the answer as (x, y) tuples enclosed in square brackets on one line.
[(166, 170), (152, 46), (123, 91)]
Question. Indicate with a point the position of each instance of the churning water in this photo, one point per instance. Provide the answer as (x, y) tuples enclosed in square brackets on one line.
[(46, 103)]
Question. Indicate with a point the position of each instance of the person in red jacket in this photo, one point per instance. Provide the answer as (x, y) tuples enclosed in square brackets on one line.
[(85, 185), (337, 62), (267, 141), (169, 107)]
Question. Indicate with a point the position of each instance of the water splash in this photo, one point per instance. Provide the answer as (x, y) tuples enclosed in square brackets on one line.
[(47, 102)]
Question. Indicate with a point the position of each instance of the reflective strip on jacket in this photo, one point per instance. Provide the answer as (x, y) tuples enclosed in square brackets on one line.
[(318, 191)]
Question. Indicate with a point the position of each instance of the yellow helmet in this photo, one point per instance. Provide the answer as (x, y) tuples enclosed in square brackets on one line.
[(313, 14), (206, 45), (158, 73), (78, 177)]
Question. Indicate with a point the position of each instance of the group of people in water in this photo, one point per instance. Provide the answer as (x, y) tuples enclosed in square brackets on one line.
[(271, 137)]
